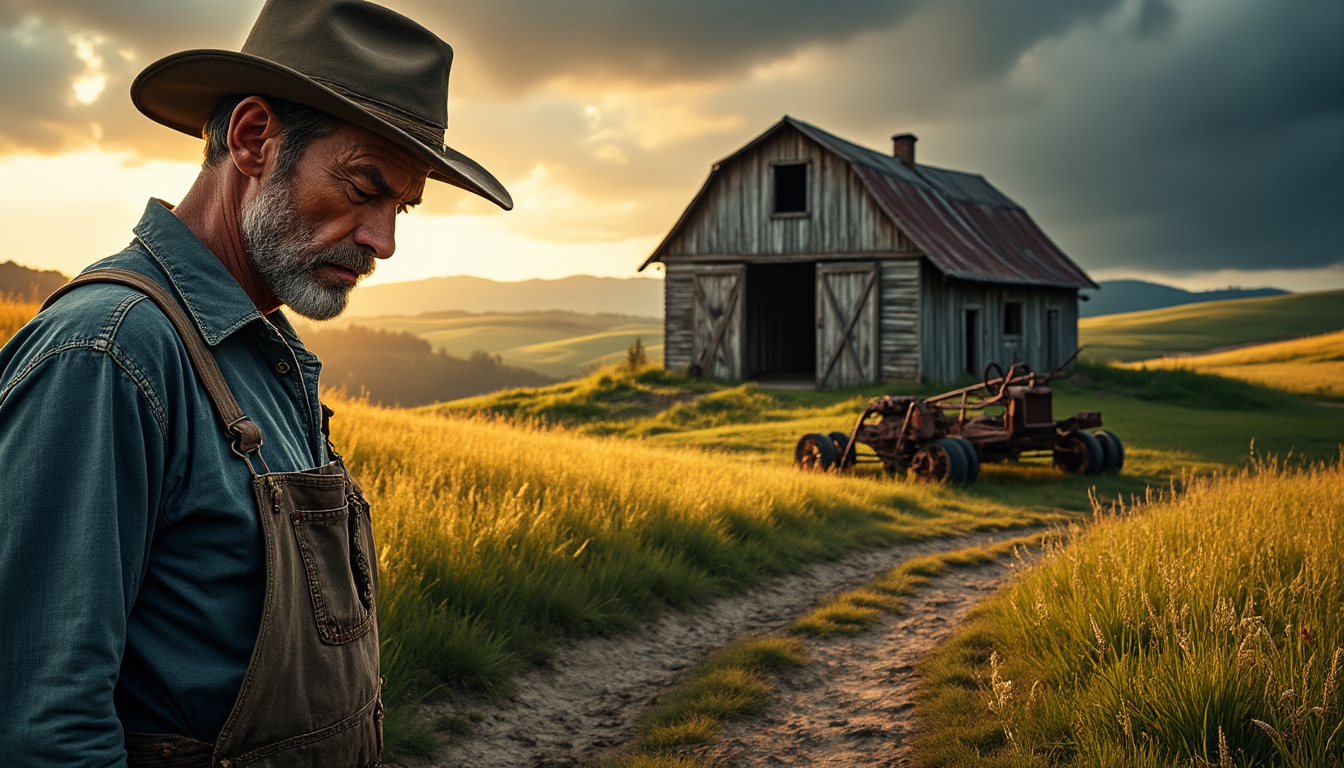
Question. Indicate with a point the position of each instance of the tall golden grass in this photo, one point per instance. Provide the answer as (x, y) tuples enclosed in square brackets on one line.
[(1313, 365), (1204, 630), (13, 314)]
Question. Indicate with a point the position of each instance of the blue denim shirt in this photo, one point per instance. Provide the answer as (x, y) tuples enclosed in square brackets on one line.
[(131, 557)]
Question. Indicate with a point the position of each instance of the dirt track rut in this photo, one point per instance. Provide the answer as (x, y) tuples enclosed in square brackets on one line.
[(587, 700)]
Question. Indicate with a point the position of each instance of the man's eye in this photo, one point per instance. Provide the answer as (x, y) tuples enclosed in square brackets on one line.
[(359, 195)]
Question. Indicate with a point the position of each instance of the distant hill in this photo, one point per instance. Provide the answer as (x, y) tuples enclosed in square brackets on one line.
[(1197, 328), (555, 343), (26, 283), (639, 296), (1118, 296), (400, 368)]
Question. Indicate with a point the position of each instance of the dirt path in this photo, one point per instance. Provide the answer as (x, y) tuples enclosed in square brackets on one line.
[(587, 700), (853, 705)]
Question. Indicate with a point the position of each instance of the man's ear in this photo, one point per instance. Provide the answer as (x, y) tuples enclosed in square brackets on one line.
[(254, 136)]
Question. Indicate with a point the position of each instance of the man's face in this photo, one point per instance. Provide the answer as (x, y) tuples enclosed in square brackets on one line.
[(312, 236)]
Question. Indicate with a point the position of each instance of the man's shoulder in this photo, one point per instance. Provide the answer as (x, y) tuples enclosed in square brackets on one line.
[(103, 318)]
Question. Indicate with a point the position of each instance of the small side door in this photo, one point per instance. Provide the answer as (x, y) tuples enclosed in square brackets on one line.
[(719, 293), (847, 324)]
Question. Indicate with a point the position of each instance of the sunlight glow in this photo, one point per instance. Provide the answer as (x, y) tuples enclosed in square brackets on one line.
[(93, 81)]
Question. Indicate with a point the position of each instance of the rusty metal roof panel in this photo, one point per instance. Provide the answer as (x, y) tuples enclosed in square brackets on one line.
[(966, 227), (972, 240)]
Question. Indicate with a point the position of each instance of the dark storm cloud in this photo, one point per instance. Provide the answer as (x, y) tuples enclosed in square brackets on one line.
[(154, 27), (529, 41), (1154, 18), (1229, 154)]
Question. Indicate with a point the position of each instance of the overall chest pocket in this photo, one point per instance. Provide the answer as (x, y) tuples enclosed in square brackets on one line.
[(334, 540)]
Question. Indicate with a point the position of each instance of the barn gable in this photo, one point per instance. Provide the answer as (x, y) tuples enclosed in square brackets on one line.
[(806, 255), (733, 212)]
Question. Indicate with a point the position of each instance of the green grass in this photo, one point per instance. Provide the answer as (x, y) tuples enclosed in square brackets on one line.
[(1194, 328), (854, 611), (1202, 629)]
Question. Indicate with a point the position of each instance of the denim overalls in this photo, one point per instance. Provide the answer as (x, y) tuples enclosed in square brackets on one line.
[(311, 695)]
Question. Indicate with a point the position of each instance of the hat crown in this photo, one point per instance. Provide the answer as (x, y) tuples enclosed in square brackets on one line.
[(372, 53)]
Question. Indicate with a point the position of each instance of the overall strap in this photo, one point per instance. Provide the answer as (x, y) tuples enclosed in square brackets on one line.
[(244, 434)]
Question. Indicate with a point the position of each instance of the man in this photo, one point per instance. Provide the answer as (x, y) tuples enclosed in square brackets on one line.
[(188, 572)]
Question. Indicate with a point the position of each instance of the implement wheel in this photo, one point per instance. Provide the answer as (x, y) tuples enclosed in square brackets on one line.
[(815, 453), (940, 462), (844, 452), (1114, 449), (1079, 453), (972, 459)]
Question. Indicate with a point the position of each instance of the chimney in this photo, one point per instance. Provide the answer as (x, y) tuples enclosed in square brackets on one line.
[(903, 148)]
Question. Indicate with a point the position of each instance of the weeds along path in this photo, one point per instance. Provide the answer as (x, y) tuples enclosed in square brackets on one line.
[(853, 705), (588, 699)]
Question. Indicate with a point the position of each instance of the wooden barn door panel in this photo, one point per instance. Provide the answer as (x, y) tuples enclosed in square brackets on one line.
[(847, 324), (719, 294)]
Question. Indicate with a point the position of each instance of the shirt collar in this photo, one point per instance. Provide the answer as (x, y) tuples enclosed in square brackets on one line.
[(212, 295)]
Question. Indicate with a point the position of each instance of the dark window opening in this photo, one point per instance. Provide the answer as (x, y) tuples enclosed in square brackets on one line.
[(781, 314), (791, 188), (1012, 319), (972, 345)]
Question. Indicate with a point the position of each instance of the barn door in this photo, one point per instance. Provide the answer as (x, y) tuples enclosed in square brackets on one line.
[(846, 324), (719, 294)]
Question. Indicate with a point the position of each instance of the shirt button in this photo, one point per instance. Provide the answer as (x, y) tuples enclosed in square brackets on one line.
[(282, 367)]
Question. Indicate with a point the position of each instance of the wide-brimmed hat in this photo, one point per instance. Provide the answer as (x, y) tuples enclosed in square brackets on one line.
[(351, 59)]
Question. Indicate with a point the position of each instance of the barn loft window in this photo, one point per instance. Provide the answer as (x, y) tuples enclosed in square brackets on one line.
[(1012, 318), (790, 189)]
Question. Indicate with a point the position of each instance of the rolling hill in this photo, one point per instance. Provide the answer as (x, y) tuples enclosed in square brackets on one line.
[(1118, 296), (1313, 365), (555, 343), (1198, 328), (27, 283), (638, 296)]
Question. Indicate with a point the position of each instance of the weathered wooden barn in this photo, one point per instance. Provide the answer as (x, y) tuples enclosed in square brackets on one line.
[(805, 256)]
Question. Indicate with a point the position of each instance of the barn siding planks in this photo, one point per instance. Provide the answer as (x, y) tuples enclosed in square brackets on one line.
[(735, 217), (943, 305), (898, 343), (678, 316)]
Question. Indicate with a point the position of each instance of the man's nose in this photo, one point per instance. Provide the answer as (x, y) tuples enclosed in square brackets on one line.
[(378, 234)]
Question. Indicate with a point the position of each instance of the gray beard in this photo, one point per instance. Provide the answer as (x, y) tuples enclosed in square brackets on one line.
[(280, 245)]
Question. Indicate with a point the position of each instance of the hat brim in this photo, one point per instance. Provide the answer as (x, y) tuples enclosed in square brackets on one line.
[(179, 91)]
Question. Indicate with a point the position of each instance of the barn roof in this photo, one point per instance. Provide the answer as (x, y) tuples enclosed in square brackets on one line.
[(967, 228)]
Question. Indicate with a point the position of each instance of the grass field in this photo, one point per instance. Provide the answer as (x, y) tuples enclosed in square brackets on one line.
[(1200, 630), (1171, 420), (1195, 328), (559, 344), (1312, 366), (499, 535), (13, 314), (488, 559)]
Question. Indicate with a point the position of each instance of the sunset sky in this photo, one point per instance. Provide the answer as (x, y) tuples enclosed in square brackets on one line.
[(1194, 142)]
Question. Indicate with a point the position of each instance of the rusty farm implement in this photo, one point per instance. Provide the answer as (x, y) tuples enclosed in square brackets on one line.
[(947, 437)]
